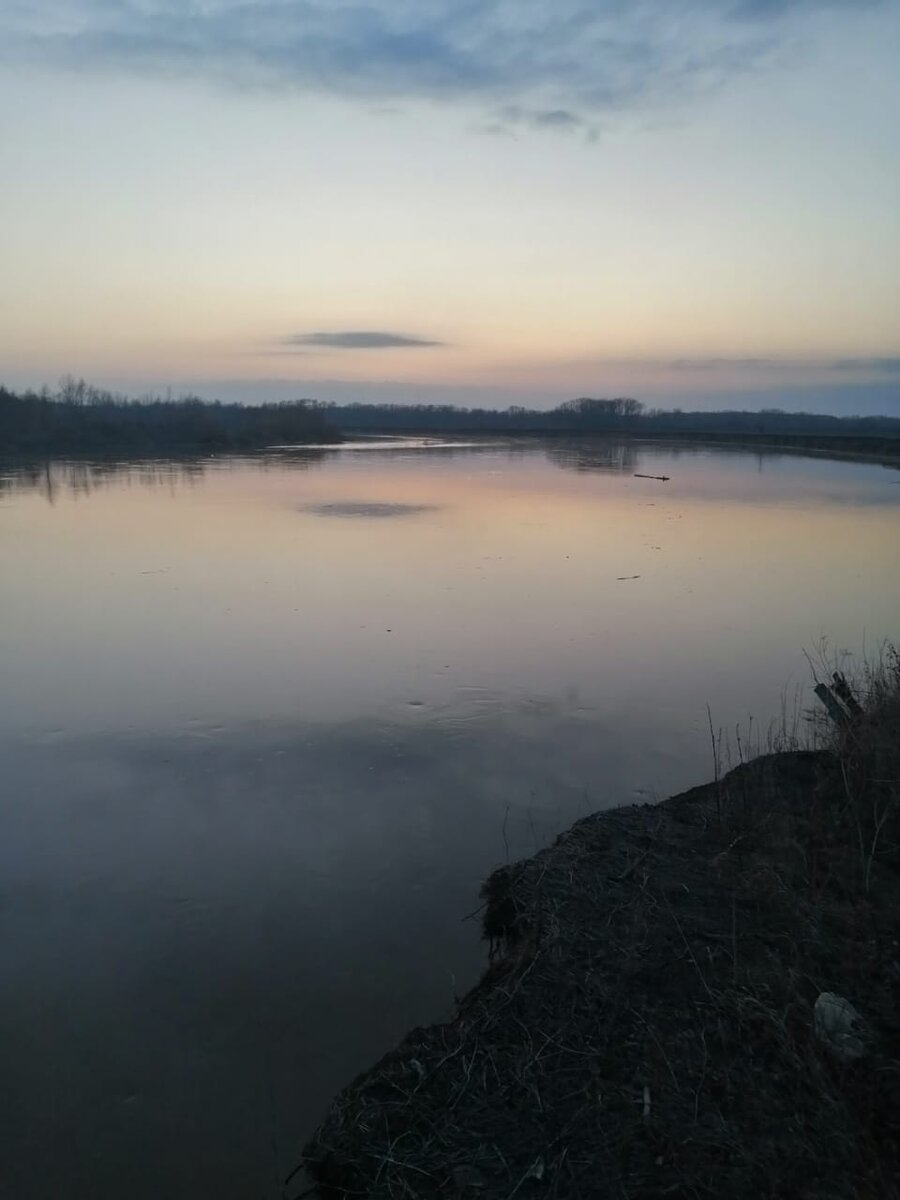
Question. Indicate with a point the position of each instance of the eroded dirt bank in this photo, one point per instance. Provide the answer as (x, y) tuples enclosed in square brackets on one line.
[(645, 1027)]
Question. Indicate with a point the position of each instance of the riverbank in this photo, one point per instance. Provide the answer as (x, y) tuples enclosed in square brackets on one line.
[(646, 1026), (884, 451)]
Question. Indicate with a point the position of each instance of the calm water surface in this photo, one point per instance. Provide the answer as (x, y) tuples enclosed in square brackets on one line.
[(267, 723)]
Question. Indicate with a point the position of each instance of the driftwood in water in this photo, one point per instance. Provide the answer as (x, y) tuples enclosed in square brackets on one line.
[(661, 478)]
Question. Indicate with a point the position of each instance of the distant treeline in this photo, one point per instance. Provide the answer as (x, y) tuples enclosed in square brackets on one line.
[(84, 419), (588, 415), (79, 418)]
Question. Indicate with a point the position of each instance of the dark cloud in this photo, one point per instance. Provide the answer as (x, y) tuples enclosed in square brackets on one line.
[(875, 366), (555, 66), (513, 117), (358, 339), (717, 364), (885, 366)]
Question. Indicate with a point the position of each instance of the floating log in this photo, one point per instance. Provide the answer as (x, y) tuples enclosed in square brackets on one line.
[(661, 478)]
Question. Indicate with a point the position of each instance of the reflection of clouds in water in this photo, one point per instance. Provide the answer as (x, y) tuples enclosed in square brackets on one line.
[(364, 508)]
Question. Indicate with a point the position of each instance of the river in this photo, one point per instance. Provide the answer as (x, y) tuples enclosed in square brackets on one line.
[(267, 722)]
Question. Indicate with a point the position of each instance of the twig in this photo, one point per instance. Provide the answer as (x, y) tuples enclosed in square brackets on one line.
[(629, 870), (688, 948), (715, 753)]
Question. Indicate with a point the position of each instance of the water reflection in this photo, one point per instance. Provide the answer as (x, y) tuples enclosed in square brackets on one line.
[(77, 478), (222, 927), (363, 508), (589, 455), (52, 478), (258, 762), (616, 458)]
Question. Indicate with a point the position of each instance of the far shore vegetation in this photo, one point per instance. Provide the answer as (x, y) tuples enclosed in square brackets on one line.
[(80, 419), (871, 437)]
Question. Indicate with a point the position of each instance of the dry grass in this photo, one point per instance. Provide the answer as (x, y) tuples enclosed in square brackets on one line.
[(645, 1026), (867, 747)]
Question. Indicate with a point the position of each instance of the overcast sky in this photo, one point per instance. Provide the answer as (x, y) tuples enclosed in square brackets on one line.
[(689, 201)]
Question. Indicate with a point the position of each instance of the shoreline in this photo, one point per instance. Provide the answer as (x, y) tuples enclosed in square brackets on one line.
[(645, 1025), (883, 451), (878, 451)]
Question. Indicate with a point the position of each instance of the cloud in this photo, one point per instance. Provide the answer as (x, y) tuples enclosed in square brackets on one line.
[(556, 120), (875, 366), (712, 365), (811, 367), (718, 364), (359, 339), (555, 66)]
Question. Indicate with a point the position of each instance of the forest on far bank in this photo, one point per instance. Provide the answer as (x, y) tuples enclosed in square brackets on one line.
[(588, 414), (80, 418)]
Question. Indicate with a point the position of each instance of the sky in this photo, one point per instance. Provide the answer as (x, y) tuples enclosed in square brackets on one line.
[(694, 202)]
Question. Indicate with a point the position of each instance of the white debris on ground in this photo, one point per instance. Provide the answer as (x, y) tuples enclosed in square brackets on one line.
[(839, 1027)]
